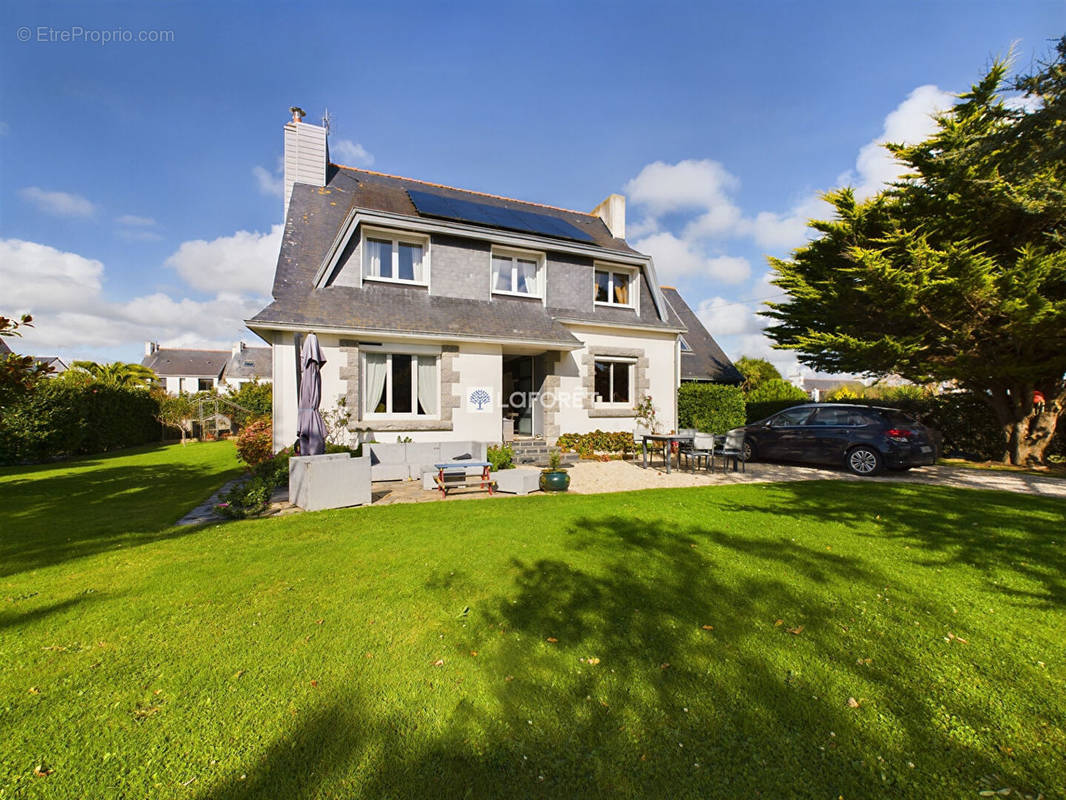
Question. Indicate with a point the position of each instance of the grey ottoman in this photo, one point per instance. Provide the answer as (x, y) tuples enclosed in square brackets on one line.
[(517, 481)]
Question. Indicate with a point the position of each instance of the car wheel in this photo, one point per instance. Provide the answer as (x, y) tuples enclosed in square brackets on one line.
[(863, 461), (747, 452)]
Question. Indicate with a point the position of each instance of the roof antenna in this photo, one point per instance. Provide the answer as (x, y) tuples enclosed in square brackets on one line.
[(326, 120)]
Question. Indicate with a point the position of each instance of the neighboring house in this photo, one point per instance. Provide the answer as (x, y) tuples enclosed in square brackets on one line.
[(442, 312), (819, 388), (702, 360), (58, 365), (188, 370)]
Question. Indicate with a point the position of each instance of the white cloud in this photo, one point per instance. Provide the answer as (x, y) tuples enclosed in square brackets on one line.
[(686, 185), (722, 317), (137, 229), (134, 221), (64, 293), (675, 258), (34, 273), (908, 123), (350, 153), (269, 183), (243, 262), (60, 204), (1026, 102)]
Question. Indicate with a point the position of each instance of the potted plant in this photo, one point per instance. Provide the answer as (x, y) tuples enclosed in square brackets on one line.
[(554, 478)]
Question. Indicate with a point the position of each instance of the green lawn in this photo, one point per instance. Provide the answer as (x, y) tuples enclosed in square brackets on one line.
[(868, 640)]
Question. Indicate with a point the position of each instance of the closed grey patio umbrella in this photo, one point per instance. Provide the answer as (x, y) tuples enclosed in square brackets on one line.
[(310, 430)]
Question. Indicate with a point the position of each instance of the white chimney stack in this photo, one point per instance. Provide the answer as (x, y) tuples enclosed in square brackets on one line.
[(150, 347), (305, 153), (238, 348), (613, 213)]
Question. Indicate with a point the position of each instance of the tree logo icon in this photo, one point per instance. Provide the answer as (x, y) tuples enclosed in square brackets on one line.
[(480, 398)]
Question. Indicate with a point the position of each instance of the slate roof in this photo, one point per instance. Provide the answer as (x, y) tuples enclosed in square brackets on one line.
[(58, 365), (4, 349), (314, 219), (250, 362), (175, 362), (705, 361)]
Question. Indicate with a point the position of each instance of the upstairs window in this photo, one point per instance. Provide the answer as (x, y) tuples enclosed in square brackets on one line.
[(516, 273), (615, 288), (394, 257)]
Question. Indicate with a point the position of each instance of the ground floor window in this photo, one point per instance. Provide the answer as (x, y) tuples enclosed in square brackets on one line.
[(614, 381), (401, 384), (206, 385)]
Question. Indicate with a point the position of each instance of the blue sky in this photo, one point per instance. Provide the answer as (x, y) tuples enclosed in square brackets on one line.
[(138, 179)]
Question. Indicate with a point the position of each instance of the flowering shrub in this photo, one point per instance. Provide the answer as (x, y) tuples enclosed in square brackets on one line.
[(255, 444), (586, 444)]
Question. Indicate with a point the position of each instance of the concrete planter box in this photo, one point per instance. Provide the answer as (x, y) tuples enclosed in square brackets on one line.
[(517, 481), (335, 480)]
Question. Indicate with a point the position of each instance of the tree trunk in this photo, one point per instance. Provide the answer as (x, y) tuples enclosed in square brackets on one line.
[(1027, 428)]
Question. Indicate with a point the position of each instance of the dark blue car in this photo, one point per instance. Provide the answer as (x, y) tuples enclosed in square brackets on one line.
[(863, 439)]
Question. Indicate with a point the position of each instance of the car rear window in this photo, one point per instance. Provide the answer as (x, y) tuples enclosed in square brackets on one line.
[(897, 418)]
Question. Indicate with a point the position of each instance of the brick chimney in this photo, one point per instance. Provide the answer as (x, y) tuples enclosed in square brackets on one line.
[(305, 153), (613, 213)]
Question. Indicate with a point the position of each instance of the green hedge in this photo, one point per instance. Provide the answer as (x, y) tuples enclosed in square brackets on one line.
[(63, 418), (710, 407)]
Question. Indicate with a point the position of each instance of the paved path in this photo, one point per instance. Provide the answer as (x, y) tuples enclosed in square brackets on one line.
[(594, 477), (590, 477), (205, 512)]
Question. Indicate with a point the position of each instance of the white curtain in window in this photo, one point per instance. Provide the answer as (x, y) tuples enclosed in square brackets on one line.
[(501, 268), (527, 277), (376, 370), (427, 384), (379, 258), (416, 261)]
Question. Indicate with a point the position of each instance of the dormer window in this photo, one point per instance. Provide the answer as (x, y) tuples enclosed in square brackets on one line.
[(615, 287), (517, 272), (397, 257)]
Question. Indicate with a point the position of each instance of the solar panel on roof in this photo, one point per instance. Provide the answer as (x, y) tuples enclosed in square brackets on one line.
[(435, 205)]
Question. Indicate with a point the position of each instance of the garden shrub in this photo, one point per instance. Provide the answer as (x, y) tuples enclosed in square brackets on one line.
[(68, 418), (255, 443), (256, 397), (586, 444), (710, 407), (776, 389), (501, 457)]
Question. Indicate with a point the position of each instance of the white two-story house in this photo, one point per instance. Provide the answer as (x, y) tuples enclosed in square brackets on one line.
[(446, 314)]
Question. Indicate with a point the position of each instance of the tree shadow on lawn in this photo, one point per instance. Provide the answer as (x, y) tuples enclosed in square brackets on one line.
[(52, 520), (665, 708), (981, 531)]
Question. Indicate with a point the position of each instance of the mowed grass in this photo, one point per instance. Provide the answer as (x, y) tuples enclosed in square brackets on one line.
[(818, 639)]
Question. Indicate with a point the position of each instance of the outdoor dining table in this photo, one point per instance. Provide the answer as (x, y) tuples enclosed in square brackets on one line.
[(668, 440)]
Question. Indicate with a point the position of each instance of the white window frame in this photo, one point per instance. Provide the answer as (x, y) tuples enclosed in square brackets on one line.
[(615, 360), (396, 238), (683, 343), (612, 269), (515, 255), (389, 353)]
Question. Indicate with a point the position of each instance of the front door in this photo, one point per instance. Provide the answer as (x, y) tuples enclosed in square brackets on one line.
[(518, 387)]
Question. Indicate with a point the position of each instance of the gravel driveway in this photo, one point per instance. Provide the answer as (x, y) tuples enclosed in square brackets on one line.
[(590, 477)]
